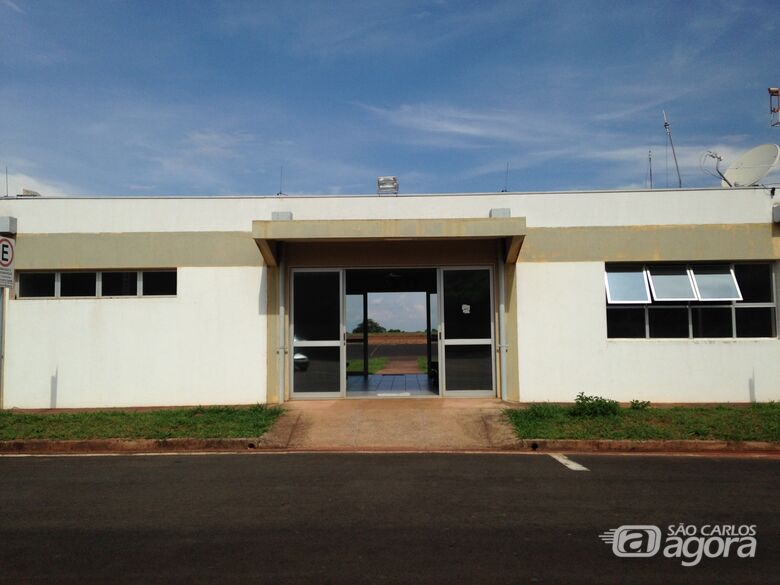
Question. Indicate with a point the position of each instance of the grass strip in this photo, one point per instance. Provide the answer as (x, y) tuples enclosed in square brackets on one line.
[(374, 365), (757, 422), (196, 423)]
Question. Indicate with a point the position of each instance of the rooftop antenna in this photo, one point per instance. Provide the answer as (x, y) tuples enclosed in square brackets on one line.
[(6, 180), (718, 159), (281, 181), (506, 179), (774, 106), (650, 166), (668, 128)]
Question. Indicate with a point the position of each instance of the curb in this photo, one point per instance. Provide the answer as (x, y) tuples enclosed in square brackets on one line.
[(651, 446), (272, 443)]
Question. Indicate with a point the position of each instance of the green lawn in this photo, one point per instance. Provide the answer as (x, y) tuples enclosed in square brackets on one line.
[(198, 423), (757, 422), (374, 365)]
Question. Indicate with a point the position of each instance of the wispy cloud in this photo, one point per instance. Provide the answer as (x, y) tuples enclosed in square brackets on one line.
[(47, 188), (12, 5)]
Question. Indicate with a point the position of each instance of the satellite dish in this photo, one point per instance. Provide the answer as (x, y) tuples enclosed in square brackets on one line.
[(752, 166)]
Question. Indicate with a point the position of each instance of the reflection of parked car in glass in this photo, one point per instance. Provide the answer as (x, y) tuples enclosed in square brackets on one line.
[(300, 362)]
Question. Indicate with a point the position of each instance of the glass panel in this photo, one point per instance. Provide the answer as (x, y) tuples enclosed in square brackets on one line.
[(755, 322), (354, 323), (755, 282), (316, 306), (625, 323), (78, 284), (159, 282), (715, 283), (119, 284), (467, 304), (668, 321), (671, 283), (36, 284), (316, 369), (712, 322), (627, 285), (469, 367)]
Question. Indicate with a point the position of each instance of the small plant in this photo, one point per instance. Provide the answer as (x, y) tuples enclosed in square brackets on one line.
[(588, 406), (640, 404), (543, 411)]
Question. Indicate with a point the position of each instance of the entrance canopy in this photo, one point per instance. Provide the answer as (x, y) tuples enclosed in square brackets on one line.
[(268, 234)]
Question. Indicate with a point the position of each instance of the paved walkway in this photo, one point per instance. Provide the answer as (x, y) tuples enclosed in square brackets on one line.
[(393, 424)]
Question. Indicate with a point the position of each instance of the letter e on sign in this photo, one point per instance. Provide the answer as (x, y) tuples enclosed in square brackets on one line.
[(7, 249)]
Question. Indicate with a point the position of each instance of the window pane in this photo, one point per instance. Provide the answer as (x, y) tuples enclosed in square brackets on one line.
[(625, 323), (316, 306), (36, 284), (755, 282), (118, 284), (627, 285), (78, 284), (715, 283), (668, 321), (469, 367), (712, 322), (159, 282), (316, 369), (671, 283), (755, 322), (467, 304)]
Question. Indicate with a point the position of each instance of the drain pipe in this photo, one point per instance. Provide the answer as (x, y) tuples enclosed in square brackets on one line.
[(281, 333), (502, 347)]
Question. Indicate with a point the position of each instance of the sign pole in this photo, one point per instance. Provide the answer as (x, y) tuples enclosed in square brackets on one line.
[(7, 258)]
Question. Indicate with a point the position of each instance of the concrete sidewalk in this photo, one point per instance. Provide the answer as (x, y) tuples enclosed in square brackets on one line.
[(399, 423)]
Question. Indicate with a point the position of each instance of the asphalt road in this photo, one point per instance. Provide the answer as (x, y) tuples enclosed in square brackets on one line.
[(327, 518)]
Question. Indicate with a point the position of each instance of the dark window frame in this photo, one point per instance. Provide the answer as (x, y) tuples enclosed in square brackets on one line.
[(98, 284), (691, 306)]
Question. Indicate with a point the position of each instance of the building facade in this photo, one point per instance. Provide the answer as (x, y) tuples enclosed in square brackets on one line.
[(664, 295)]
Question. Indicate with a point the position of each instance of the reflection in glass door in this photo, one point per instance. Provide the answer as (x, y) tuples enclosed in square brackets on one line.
[(317, 333), (467, 331)]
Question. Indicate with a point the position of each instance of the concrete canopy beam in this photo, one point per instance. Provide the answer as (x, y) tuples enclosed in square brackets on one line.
[(510, 229)]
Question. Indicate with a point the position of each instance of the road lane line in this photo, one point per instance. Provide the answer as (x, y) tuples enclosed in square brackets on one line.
[(566, 462)]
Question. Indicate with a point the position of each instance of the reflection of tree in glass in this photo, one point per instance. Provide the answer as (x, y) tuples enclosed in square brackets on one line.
[(373, 327)]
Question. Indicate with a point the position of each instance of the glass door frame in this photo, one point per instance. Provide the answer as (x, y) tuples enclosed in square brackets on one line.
[(340, 342), (444, 342)]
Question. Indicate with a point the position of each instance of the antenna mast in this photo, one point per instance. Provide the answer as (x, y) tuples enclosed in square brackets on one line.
[(668, 128), (506, 179), (650, 166)]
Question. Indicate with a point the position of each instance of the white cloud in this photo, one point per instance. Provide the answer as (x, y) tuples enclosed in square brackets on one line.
[(17, 182)]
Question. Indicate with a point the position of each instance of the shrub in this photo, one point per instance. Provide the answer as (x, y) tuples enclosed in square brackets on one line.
[(593, 406), (640, 404)]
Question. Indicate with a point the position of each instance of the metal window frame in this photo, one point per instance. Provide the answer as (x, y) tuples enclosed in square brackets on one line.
[(692, 272), (648, 270), (611, 301)]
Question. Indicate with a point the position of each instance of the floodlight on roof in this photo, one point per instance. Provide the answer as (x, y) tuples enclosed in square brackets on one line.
[(387, 186)]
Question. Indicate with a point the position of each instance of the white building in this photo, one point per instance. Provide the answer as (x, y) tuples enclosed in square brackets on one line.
[(665, 295)]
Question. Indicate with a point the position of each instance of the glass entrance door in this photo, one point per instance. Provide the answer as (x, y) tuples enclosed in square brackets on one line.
[(467, 331), (317, 332)]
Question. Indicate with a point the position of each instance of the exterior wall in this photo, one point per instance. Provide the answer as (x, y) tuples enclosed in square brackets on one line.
[(226, 214), (207, 345), (210, 344), (563, 349)]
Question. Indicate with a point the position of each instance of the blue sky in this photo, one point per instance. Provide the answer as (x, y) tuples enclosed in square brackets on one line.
[(145, 97)]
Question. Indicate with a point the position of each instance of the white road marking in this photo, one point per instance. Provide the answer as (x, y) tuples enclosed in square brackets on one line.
[(565, 461)]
